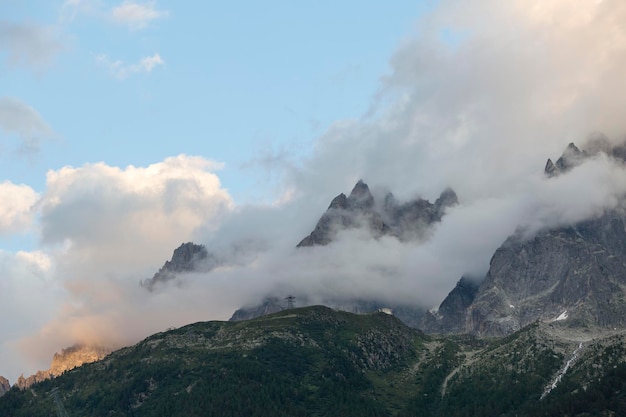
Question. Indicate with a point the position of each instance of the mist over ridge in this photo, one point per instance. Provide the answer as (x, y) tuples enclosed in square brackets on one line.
[(481, 116)]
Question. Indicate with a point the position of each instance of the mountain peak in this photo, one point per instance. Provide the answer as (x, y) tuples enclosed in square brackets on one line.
[(185, 258), (447, 198), (361, 197), (571, 157)]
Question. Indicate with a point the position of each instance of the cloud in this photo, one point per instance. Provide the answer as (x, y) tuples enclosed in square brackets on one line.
[(121, 70), (16, 210), (481, 115), (104, 229), (17, 118), (132, 14), (30, 45), (72, 8), (27, 291), (136, 15)]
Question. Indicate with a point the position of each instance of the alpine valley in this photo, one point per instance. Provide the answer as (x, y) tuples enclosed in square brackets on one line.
[(542, 333)]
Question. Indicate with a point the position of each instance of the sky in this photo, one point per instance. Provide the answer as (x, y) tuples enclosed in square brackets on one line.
[(129, 127)]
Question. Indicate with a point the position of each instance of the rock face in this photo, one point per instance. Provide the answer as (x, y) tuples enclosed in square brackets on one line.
[(407, 221), (187, 257), (574, 275), (68, 359), (572, 157), (4, 385), (450, 316)]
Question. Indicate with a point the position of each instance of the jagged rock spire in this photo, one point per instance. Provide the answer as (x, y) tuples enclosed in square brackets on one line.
[(406, 221)]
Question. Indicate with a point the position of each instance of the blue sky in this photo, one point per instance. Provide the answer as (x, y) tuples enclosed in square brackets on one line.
[(232, 81), (130, 126)]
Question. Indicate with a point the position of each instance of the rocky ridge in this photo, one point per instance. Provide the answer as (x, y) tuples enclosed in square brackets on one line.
[(408, 221), (188, 257), (69, 358), (572, 275)]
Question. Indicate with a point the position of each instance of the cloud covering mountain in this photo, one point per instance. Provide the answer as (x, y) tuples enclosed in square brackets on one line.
[(476, 101)]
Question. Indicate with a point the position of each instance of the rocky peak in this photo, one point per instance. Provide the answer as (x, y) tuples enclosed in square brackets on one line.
[(550, 170), (571, 157), (361, 197), (185, 257), (68, 359), (76, 355), (407, 221), (4, 385), (188, 257), (339, 202), (448, 198)]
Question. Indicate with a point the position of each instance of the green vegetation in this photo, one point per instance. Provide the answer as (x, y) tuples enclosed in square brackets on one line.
[(318, 362)]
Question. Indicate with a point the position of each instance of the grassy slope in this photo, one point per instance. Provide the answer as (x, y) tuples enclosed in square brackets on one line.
[(315, 362)]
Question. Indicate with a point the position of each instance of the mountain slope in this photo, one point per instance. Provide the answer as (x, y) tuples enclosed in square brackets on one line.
[(574, 273), (318, 362)]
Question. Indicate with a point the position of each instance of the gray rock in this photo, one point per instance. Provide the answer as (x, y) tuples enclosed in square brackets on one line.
[(188, 257), (408, 221), (450, 316), (571, 157), (576, 274)]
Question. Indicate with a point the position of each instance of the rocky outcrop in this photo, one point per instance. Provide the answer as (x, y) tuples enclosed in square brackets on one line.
[(450, 316), (573, 156), (68, 359), (188, 257), (574, 274), (4, 385), (407, 221)]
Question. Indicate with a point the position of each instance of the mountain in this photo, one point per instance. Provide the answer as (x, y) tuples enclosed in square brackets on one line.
[(68, 359), (412, 220), (450, 316), (188, 257), (575, 274), (408, 221), (572, 157), (314, 361)]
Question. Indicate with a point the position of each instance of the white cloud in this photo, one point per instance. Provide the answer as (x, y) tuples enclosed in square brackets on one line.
[(72, 8), (136, 15), (28, 292), (30, 45), (482, 116), (105, 229), (121, 70), (20, 119), (16, 207)]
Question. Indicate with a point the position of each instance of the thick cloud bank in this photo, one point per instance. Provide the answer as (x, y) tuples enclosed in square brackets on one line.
[(477, 100)]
